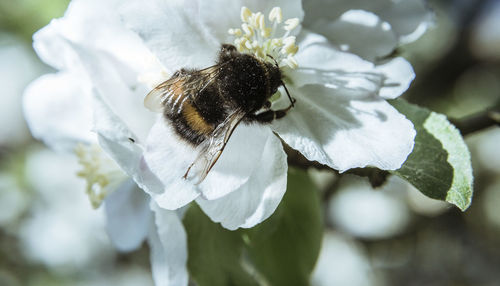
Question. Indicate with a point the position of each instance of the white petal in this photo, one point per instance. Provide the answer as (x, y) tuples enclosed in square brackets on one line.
[(346, 133), (360, 32), (57, 110), (346, 84), (399, 74), (259, 197), (52, 48), (409, 19), (168, 242), (315, 52), (173, 32), (167, 157), (91, 39), (115, 137), (221, 15), (237, 162), (112, 81), (350, 75), (128, 216), (95, 24)]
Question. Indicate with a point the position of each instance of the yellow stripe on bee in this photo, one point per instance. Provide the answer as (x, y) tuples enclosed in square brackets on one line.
[(195, 120)]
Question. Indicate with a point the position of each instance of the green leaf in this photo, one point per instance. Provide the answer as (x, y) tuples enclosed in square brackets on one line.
[(439, 165), (285, 247), (215, 253)]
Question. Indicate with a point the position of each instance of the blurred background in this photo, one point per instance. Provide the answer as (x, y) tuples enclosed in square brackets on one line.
[(50, 235)]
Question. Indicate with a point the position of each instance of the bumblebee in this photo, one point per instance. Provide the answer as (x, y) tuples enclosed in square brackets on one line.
[(205, 106)]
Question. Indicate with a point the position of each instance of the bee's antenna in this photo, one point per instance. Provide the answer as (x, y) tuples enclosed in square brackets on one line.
[(278, 66), (292, 101)]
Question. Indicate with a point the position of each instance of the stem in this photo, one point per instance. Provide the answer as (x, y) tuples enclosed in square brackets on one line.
[(477, 122)]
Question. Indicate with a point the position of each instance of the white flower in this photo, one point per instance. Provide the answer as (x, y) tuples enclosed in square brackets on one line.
[(131, 218), (62, 108), (341, 118), (109, 54), (352, 207), (339, 251), (61, 230), (18, 68)]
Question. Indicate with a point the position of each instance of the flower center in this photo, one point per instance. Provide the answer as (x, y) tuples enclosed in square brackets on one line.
[(257, 38), (101, 173)]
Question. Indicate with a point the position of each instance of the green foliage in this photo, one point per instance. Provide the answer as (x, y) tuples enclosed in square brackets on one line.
[(284, 248), (280, 251), (439, 165), (24, 17), (214, 252)]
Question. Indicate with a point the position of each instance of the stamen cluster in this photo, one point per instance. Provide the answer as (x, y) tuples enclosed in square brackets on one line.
[(100, 172), (257, 38)]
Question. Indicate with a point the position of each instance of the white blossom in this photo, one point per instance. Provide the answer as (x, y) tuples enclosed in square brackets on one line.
[(18, 68), (371, 29), (61, 230), (109, 54)]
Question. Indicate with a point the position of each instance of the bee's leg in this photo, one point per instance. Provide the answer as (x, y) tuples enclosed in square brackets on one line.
[(270, 115)]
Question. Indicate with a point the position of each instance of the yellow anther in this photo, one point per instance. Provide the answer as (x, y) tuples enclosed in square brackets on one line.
[(235, 32), (254, 20), (266, 33), (289, 46), (245, 14), (260, 53), (261, 21), (276, 15), (248, 45), (290, 49), (240, 41), (277, 42), (247, 29), (291, 62), (239, 46), (291, 24)]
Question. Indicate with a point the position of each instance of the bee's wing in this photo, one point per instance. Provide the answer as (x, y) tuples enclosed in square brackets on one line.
[(180, 86), (212, 148), (156, 98)]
